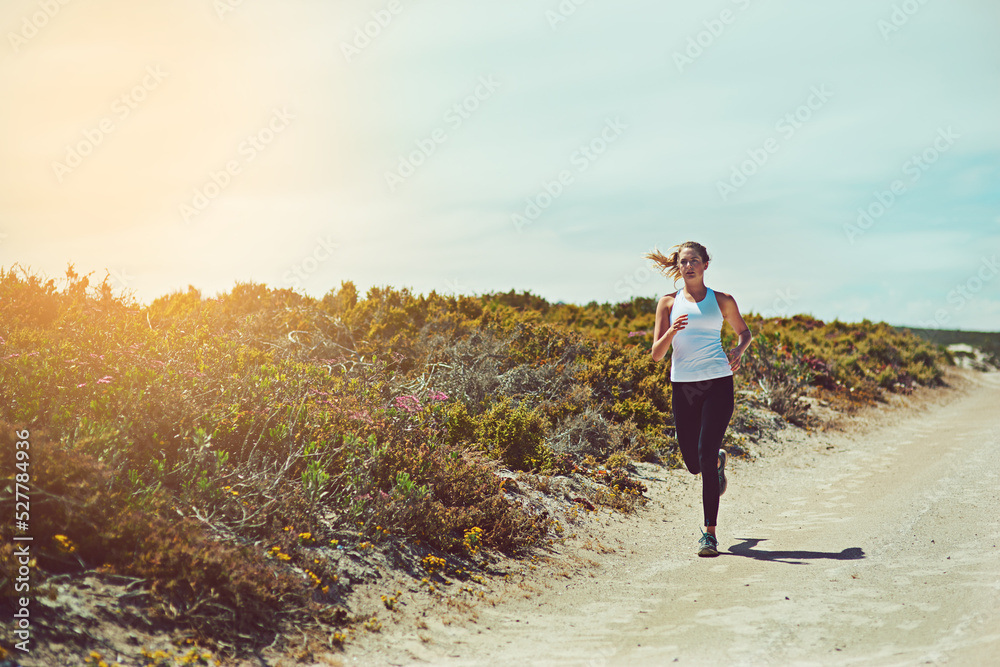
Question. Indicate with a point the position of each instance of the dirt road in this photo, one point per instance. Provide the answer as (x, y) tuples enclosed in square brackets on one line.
[(879, 544)]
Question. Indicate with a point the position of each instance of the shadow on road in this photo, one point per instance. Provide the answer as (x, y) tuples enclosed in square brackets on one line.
[(746, 549)]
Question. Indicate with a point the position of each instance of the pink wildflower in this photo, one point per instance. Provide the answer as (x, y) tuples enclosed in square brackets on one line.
[(438, 396), (408, 403), (360, 414)]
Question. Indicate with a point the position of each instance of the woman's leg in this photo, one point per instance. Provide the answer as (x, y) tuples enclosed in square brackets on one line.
[(687, 399), (715, 415)]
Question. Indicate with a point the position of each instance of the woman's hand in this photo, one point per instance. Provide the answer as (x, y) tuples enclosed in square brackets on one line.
[(734, 358), (677, 325), (731, 313), (737, 352)]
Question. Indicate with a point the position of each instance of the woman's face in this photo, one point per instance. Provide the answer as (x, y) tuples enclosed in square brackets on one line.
[(690, 264)]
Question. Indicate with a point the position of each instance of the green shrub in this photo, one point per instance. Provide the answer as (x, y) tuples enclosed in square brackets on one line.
[(514, 435), (463, 492), (628, 384), (460, 426)]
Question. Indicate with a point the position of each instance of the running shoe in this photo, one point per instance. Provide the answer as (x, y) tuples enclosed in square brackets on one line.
[(722, 472), (709, 546)]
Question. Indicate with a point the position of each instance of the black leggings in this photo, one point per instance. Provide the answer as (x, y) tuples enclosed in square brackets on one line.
[(701, 413)]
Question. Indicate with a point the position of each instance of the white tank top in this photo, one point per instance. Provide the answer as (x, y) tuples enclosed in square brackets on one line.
[(697, 348)]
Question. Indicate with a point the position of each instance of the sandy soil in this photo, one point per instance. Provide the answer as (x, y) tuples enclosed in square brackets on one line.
[(872, 543)]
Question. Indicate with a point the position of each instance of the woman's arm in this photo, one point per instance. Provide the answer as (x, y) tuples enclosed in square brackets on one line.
[(664, 331), (731, 313)]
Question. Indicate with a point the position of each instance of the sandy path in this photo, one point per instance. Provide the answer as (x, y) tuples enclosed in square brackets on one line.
[(878, 545)]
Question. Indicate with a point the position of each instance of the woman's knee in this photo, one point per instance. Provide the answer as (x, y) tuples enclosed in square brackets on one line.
[(689, 455), (709, 459)]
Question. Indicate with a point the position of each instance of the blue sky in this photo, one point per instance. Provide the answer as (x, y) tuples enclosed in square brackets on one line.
[(529, 145)]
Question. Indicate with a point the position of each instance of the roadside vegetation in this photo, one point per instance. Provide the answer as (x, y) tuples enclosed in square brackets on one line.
[(986, 343), (226, 452)]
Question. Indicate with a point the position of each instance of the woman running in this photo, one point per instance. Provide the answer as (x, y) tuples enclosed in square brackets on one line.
[(701, 373)]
